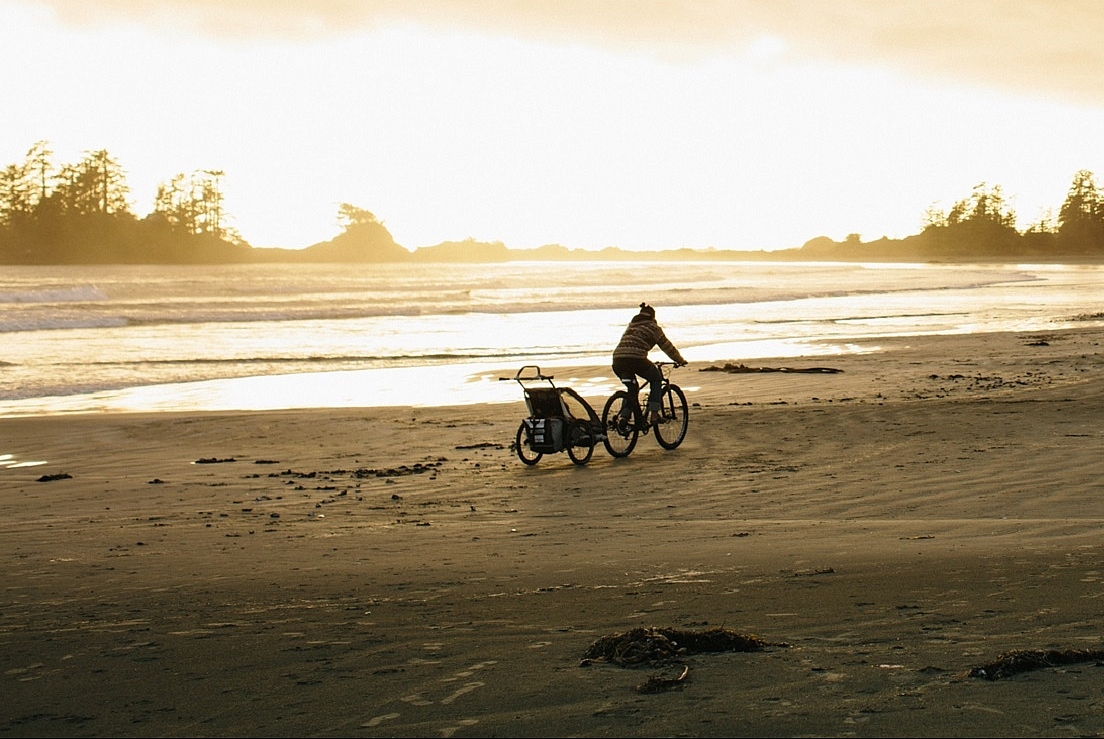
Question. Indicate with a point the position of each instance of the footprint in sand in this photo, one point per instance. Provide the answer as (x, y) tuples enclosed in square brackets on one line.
[(420, 661), (468, 687), (377, 720), (448, 731), (470, 671), (417, 699)]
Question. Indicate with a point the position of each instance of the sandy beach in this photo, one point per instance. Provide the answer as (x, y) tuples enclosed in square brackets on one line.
[(886, 529)]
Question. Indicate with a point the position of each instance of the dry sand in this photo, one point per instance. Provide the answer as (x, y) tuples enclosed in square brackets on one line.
[(399, 572)]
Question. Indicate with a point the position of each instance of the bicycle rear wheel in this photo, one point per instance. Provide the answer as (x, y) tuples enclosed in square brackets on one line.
[(676, 418), (621, 431)]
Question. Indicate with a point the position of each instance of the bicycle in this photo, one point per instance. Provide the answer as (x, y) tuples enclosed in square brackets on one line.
[(624, 422)]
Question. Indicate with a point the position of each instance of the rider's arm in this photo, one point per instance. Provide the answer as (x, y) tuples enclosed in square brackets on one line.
[(668, 348)]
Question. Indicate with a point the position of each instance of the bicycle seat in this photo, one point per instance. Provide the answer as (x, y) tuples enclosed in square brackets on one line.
[(630, 382)]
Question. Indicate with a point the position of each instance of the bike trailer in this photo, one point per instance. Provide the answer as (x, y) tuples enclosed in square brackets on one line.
[(552, 426), (547, 415), (545, 434)]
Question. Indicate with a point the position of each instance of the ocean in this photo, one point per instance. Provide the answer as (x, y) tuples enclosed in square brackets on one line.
[(80, 339)]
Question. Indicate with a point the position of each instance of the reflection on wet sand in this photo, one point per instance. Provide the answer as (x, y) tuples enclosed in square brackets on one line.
[(9, 460)]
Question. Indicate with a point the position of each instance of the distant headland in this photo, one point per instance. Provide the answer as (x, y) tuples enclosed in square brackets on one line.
[(81, 214)]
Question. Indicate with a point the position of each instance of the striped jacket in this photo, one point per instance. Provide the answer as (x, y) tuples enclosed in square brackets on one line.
[(640, 336)]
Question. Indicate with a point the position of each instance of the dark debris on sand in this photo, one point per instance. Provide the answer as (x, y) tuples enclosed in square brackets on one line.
[(740, 368), (1024, 660), (415, 469), (653, 646)]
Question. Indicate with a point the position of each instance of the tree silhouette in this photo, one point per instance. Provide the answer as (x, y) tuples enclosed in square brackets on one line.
[(81, 213), (350, 215), (39, 169), (94, 186), (210, 216), (1081, 217), (983, 224), (15, 203), (193, 203)]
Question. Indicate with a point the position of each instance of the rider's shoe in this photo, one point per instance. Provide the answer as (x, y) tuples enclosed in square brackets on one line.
[(654, 418)]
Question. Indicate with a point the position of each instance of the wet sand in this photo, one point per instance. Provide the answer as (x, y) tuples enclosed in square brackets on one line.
[(399, 572)]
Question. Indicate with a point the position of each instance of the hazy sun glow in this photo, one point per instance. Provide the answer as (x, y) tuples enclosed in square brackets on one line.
[(455, 128)]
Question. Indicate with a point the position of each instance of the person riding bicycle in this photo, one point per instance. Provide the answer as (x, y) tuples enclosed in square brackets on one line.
[(630, 358)]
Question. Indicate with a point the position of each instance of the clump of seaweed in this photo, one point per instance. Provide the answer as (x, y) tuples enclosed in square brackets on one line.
[(660, 683), (653, 646), (1024, 660), (742, 368)]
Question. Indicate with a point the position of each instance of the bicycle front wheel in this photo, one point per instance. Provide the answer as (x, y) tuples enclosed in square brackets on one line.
[(676, 418), (621, 431)]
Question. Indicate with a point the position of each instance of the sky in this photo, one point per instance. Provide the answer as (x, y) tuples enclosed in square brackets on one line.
[(641, 124)]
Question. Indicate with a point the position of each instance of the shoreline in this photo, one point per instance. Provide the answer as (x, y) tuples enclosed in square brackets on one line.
[(431, 385), (397, 571), (442, 385)]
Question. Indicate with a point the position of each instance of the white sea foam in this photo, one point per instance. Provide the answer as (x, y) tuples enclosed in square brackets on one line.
[(61, 294)]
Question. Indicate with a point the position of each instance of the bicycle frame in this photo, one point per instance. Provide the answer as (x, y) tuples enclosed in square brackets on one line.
[(633, 386)]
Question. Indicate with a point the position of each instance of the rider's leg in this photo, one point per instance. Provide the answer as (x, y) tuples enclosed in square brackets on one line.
[(644, 368), (655, 391), (627, 370)]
